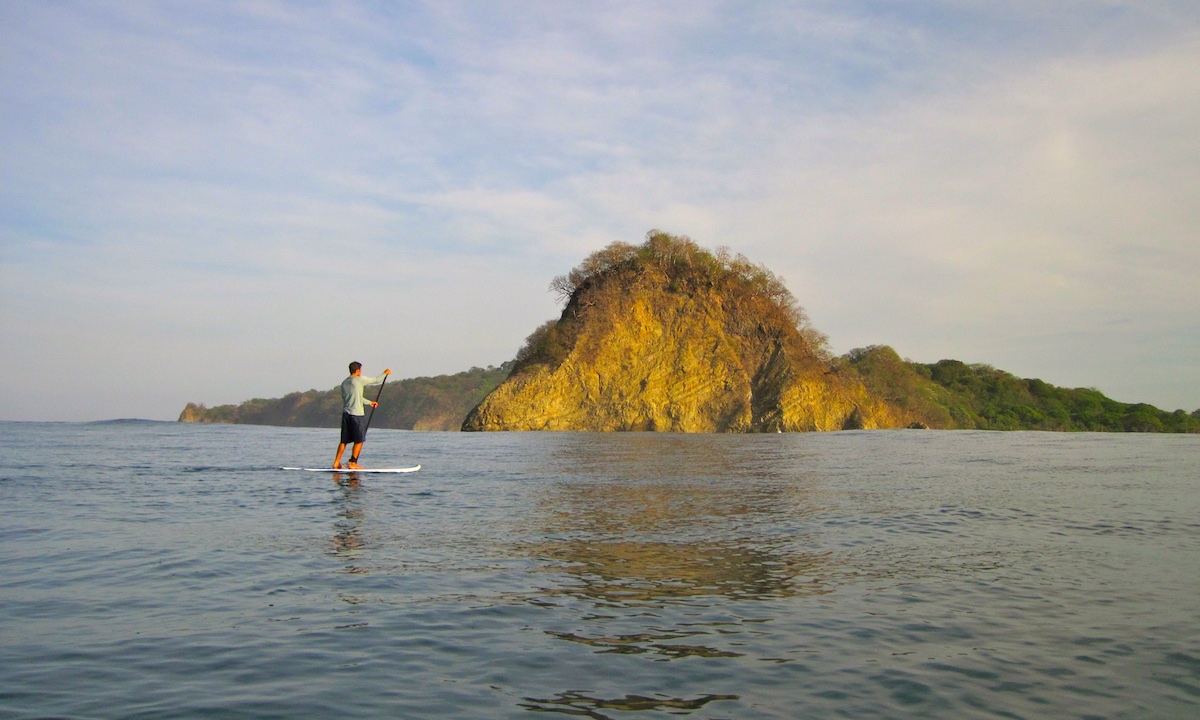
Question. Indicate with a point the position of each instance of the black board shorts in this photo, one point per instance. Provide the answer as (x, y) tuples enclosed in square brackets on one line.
[(354, 428)]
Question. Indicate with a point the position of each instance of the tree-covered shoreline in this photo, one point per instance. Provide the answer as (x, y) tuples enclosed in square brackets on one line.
[(670, 336), (956, 395), (421, 403), (964, 396)]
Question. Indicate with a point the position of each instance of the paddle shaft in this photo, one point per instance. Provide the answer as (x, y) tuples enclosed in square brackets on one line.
[(377, 396)]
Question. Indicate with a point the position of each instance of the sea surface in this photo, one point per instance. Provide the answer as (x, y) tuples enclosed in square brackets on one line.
[(166, 570)]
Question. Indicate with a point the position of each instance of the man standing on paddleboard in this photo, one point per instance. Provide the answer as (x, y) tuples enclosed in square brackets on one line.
[(353, 419)]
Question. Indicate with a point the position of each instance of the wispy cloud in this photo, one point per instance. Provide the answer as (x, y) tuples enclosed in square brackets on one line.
[(250, 191)]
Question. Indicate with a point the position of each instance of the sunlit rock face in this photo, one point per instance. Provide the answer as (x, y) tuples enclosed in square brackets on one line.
[(670, 337)]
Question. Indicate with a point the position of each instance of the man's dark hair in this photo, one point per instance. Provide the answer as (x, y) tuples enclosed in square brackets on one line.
[(355, 367)]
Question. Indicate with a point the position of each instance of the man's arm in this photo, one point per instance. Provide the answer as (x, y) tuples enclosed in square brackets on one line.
[(376, 380)]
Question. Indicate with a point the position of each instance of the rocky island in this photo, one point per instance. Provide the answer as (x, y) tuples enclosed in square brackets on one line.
[(668, 336)]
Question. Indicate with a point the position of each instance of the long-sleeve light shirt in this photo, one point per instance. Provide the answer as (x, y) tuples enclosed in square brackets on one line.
[(352, 392)]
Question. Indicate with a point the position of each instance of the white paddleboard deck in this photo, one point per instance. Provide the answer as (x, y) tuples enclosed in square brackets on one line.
[(414, 468)]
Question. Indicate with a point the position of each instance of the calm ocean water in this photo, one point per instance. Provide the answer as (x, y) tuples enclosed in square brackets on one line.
[(163, 570)]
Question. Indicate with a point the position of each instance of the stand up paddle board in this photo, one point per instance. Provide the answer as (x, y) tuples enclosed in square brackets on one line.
[(414, 468)]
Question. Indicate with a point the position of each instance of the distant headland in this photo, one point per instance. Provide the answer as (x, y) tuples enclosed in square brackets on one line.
[(668, 336)]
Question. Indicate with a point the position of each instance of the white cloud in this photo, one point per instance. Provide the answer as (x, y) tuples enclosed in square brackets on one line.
[(215, 190), (1049, 200)]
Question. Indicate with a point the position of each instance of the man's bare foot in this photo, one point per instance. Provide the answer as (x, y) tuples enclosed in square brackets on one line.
[(354, 466), (337, 466)]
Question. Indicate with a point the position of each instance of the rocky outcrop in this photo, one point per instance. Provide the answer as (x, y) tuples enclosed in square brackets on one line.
[(193, 413), (670, 337), (667, 336)]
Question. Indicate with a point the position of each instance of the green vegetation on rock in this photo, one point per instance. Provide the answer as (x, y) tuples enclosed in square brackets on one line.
[(952, 394)]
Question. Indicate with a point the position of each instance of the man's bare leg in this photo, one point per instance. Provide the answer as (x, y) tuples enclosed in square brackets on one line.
[(337, 461), (354, 456)]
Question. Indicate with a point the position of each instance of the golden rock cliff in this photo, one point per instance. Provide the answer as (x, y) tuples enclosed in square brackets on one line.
[(669, 337)]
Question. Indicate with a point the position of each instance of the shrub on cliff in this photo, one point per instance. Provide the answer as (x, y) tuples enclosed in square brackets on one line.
[(756, 300)]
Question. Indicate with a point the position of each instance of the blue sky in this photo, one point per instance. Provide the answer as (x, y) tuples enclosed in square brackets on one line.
[(214, 201)]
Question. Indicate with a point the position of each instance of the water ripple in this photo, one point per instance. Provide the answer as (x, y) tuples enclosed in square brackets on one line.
[(883, 575)]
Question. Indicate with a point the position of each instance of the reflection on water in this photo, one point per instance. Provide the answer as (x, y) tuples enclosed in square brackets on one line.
[(577, 703), (670, 520), (637, 457), (347, 542), (641, 643), (618, 507), (632, 572), (666, 541)]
